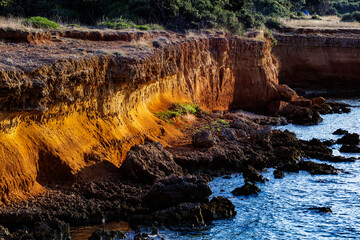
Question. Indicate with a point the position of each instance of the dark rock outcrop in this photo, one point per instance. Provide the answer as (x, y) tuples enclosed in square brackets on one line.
[(349, 149), (340, 132), (203, 139), (174, 190), (317, 168), (350, 139), (246, 190), (104, 234), (278, 174), (148, 163), (252, 175)]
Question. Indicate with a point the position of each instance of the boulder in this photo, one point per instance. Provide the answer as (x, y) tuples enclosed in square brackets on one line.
[(148, 163), (318, 101), (349, 149), (349, 139), (286, 92), (246, 190), (278, 174), (174, 190), (218, 208), (203, 139), (317, 168), (340, 132), (252, 175), (104, 234), (53, 229)]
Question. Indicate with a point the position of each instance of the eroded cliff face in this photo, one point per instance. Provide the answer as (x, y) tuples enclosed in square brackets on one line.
[(319, 58), (69, 106)]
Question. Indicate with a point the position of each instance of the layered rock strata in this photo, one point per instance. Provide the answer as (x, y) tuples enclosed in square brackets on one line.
[(69, 106), (319, 59)]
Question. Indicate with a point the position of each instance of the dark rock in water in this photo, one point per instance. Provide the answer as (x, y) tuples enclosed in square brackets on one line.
[(329, 142), (350, 139), (4, 232), (252, 175), (174, 190), (340, 132), (203, 139), (53, 229), (337, 159), (350, 149), (289, 167), (287, 154), (246, 190), (340, 107), (141, 236), (321, 209), (278, 174), (283, 138), (227, 177), (218, 208), (149, 162), (104, 234), (315, 149), (187, 215), (317, 168)]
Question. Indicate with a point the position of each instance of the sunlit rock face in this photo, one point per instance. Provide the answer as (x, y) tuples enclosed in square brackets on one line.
[(67, 108)]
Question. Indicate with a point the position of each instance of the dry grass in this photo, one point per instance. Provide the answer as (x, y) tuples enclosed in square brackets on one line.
[(14, 23), (327, 22)]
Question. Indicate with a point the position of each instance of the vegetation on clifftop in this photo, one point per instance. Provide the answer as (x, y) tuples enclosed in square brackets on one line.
[(232, 15)]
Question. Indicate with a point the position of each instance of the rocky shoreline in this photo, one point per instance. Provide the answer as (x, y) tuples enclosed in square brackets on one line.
[(167, 187)]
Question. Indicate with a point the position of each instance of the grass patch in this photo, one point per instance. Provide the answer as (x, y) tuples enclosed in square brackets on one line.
[(177, 110), (40, 22), (123, 23)]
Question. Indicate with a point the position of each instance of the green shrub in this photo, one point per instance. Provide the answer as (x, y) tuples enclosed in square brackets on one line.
[(316, 17), (177, 110), (273, 23), (143, 27), (118, 23), (356, 16), (155, 27), (40, 22), (347, 18), (74, 26), (351, 17)]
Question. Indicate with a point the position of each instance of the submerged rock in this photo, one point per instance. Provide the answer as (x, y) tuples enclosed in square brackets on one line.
[(104, 234), (148, 163), (246, 190), (321, 209)]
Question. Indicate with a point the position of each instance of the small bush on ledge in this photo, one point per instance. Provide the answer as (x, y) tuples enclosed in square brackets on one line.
[(177, 110), (40, 22)]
